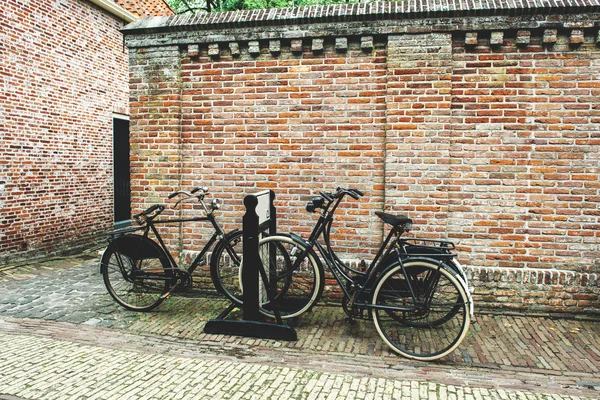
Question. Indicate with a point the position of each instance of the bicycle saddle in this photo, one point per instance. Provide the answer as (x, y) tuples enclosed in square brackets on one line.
[(393, 220)]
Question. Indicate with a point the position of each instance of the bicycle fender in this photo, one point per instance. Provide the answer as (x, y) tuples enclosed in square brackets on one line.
[(294, 237), (298, 239), (136, 247), (392, 261), (454, 269)]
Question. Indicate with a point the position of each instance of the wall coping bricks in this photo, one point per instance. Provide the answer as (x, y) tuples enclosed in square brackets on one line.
[(399, 10), (374, 19)]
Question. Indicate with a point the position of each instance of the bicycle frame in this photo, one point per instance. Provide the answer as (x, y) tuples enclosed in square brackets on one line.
[(337, 267), (218, 234)]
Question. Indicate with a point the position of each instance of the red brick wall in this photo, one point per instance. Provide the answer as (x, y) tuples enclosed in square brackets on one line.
[(491, 145), (526, 125), (297, 124), (63, 72)]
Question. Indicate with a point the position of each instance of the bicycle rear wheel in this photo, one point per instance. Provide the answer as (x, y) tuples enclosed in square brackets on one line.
[(136, 284), (293, 290), (433, 324)]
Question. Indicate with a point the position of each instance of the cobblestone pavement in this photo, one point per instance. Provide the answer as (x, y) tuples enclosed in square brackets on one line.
[(63, 337)]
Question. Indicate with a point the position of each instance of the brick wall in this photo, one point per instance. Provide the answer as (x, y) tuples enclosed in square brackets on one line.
[(63, 73), (482, 129)]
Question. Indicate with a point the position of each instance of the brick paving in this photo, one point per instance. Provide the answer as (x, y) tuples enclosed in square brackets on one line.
[(63, 337)]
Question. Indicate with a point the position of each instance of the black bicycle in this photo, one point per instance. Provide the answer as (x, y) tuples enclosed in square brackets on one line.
[(414, 289), (140, 273)]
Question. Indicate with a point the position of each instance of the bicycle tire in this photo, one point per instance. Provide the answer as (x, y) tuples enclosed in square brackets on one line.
[(225, 265), (415, 271), (131, 292), (295, 292), (431, 332)]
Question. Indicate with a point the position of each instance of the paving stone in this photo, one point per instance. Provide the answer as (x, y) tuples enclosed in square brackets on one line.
[(68, 312)]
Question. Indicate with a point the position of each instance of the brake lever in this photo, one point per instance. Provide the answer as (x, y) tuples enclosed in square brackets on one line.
[(327, 196), (351, 193), (203, 188)]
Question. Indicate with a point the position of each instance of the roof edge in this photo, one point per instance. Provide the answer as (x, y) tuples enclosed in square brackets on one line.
[(115, 10), (358, 12)]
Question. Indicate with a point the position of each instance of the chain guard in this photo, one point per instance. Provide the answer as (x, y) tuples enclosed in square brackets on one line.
[(349, 303), (184, 279)]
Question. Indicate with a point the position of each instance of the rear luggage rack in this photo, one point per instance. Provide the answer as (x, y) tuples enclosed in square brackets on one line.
[(122, 231), (427, 247), (429, 243)]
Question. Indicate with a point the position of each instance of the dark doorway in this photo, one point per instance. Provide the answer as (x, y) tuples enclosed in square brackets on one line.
[(121, 170)]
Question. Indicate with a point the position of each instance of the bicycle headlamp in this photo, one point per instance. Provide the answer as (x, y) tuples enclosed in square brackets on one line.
[(215, 204), (318, 201)]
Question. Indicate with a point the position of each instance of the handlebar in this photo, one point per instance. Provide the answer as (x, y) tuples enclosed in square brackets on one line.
[(203, 189), (317, 202), (197, 193), (354, 193)]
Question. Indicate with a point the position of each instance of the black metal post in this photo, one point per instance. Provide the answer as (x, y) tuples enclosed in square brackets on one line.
[(253, 324)]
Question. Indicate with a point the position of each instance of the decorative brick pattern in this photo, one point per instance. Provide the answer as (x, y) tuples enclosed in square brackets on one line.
[(550, 36), (296, 46), (535, 290), (497, 38), (341, 44), (576, 37), (254, 47), (296, 124), (523, 38), (234, 48), (275, 47), (213, 50), (193, 50), (61, 80), (471, 39), (366, 43), (317, 45)]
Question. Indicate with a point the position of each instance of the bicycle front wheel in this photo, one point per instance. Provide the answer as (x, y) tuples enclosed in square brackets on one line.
[(428, 326), (138, 285), (225, 266)]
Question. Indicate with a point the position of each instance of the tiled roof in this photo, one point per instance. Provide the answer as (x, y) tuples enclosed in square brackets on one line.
[(366, 11), (145, 8)]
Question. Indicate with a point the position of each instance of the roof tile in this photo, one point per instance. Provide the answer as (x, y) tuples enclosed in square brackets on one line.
[(145, 8)]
